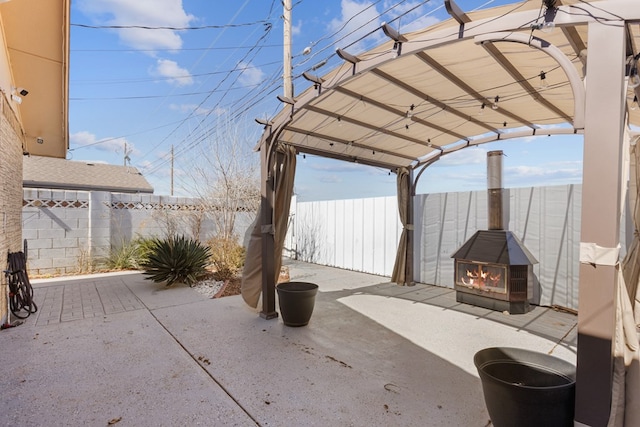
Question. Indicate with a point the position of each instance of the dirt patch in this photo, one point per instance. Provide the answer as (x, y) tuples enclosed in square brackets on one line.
[(231, 287)]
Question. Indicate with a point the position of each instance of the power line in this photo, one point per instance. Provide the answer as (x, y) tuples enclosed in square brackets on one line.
[(154, 79), (183, 49), (148, 27), (256, 45)]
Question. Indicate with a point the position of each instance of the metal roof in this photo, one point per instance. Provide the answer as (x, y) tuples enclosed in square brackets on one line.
[(475, 78), (53, 173)]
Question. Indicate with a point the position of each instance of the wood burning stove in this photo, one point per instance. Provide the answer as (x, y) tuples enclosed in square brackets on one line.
[(492, 268)]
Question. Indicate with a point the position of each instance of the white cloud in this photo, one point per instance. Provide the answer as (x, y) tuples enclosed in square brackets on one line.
[(545, 174), (466, 156), (296, 29), (112, 145), (330, 179), (152, 13), (419, 23), (359, 18), (356, 20), (197, 110), (249, 75), (326, 165), (414, 15), (177, 75)]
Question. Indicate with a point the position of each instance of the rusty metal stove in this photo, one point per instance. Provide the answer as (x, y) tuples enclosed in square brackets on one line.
[(493, 268)]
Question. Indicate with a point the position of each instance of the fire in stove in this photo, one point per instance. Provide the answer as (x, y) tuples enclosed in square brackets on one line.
[(482, 276)]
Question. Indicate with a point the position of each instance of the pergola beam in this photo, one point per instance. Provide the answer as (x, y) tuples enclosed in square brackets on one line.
[(366, 125), (341, 141), (434, 101), (435, 65), (401, 114), (522, 80), (360, 160)]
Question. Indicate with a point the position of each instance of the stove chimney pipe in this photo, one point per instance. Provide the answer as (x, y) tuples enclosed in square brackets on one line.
[(494, 186)]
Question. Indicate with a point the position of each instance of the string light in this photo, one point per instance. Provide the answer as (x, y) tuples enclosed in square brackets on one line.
[(495, 103), (410, 111), (544, 84), (481, 109)]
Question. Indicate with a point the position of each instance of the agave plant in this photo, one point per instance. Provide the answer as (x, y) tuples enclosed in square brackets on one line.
[(176, 259)]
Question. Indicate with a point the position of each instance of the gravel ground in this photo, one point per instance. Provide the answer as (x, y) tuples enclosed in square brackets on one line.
[(208, 287)]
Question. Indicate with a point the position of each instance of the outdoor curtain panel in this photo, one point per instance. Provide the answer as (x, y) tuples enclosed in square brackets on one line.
[(625, 401), (283, 170), (404, 192)]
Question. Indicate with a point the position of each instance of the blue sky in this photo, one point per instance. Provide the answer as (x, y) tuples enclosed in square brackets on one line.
[(144, 90)]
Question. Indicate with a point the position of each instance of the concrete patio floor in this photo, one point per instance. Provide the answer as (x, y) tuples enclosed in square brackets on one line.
[(117, 349)]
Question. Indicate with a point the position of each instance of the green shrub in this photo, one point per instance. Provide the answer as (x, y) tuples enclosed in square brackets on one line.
[(145, 246), (123, 257), (130, 255), (227, 257), (176, 259)]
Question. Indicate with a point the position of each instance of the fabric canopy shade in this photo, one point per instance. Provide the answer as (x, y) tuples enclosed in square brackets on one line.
[(625, 411), (450, 86)]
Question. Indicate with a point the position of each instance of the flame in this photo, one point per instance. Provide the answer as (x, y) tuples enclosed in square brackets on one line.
[(479, 278)]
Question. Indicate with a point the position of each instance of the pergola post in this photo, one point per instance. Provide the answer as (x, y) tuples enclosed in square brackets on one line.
[(410, 231), (267, 229), (600, 226)]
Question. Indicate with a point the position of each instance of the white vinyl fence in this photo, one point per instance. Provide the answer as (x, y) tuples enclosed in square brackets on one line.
[(363, 234)]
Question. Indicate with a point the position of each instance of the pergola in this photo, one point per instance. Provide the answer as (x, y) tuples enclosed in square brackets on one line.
[(539, 67)]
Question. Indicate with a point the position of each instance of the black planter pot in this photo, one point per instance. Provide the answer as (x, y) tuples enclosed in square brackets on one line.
[(296, 301), (524, 388)]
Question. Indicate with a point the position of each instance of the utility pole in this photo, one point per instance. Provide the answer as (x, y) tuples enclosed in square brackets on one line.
[(286, 63), (126, 154), (171, 193)]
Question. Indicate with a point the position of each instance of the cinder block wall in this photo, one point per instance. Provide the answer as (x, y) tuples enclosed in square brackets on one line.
[(71, 232), (56, 226), (11, 187)]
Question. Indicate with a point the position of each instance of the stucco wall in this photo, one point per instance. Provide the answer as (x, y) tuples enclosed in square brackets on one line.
[(11, 187)]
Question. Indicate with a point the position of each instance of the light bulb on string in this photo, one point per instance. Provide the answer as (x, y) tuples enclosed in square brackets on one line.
[(410, 111), (495, 103), (481, 109), (544, 84)]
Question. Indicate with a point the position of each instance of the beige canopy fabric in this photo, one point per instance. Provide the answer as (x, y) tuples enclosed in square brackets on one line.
[(631, 263), (283, 171), (404, 192), (625, 405), (425, 94)]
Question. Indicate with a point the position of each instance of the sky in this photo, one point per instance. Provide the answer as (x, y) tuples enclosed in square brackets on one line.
[(149, 75)]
